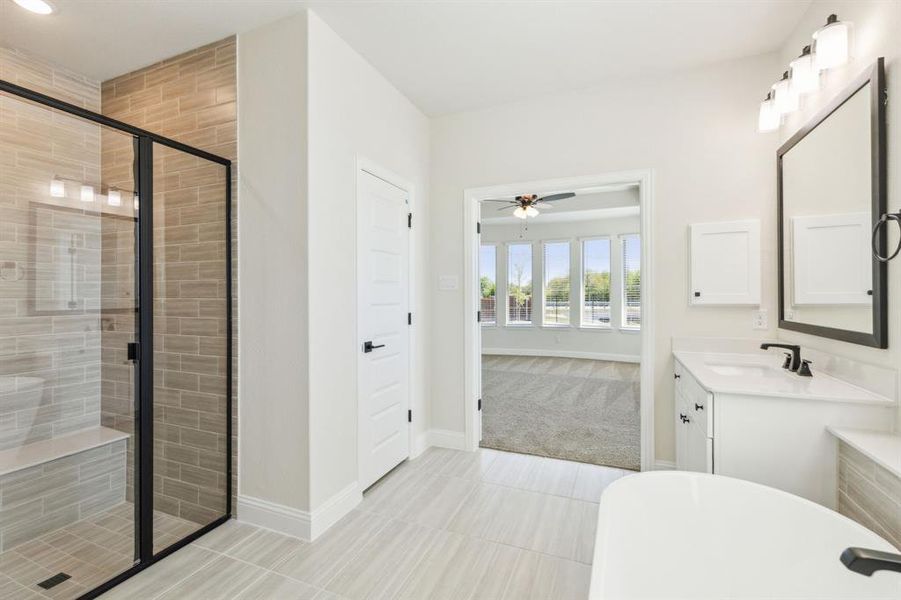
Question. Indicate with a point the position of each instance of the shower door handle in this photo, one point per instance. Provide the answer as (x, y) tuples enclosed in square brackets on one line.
[(132, 351)]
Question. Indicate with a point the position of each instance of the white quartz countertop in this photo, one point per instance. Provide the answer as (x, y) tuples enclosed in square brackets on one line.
[(882, 448), (762, 375)]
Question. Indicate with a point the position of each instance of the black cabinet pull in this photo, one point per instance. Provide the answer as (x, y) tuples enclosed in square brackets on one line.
[(699, 406), (684, 418), (676, 376), (369, 347)]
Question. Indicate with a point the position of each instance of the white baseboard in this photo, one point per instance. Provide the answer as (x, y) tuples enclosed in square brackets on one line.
[(563, 354), (301, 524), (420, 444), (664, 465), (444, 438)]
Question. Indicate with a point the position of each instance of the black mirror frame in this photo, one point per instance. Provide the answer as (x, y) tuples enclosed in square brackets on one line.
[(875, 76)]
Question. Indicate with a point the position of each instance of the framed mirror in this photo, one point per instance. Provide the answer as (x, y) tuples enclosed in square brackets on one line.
[(831, 178)]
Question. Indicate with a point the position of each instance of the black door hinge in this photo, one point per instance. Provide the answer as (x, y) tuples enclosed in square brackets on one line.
[(409, 416), (409, 220), (478, 227), (480, 404), (409, 318), (478, 316)]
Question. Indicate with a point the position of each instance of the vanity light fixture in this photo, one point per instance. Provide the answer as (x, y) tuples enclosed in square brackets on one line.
[(87, 193), (39, 7), (57, 188), (114, 198), (769, 118), (831, 43), (805, 74), (786, 100)]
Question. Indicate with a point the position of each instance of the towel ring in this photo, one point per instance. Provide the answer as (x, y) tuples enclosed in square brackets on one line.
[(885, 218)]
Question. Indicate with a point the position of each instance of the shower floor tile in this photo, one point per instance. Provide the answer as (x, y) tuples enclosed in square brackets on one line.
[(90, 551)]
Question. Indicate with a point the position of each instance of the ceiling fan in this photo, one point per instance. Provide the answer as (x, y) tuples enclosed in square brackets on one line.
[(527, 205)]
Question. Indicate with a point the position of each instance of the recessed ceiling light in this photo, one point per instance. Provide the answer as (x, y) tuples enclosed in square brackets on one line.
[(41, 7)]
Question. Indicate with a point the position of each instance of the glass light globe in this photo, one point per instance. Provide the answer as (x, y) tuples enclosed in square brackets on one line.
[(57, 188), (519, 212), (805, 75), (87, 193), (832, 44), (114, 198), (531, 211), (786, 100), (769, 118)]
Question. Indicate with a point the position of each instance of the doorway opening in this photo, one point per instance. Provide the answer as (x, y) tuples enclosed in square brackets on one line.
[(559, 352)]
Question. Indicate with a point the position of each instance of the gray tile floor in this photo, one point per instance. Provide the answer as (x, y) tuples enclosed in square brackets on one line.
[(91, 551), (485, 525)]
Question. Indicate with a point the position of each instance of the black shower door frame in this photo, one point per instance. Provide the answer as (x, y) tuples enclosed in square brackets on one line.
[(143, 144)]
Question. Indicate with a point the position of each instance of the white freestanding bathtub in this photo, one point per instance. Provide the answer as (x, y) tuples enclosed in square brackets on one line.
[(670, 535)]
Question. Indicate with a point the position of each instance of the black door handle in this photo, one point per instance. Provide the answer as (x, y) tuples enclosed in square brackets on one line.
[(368, 347)]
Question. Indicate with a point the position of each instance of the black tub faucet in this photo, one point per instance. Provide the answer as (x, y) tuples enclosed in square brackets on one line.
[(866, 562), (795, 363)]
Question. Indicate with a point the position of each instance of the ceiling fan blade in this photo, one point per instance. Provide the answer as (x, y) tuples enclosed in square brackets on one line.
[(508, 201), (543, 206), (553, 197), (507, 207)]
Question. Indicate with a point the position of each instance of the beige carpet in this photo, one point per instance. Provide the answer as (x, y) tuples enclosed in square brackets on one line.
[(575, 409)]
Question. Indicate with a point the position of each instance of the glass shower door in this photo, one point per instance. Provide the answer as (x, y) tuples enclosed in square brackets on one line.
[(67, 321), (191, 368)]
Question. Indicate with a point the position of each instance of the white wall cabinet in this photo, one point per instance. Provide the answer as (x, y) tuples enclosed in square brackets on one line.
[(725, 263)]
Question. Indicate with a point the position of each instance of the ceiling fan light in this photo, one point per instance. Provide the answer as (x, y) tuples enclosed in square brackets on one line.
[(832, 44), (531, 211), (520, 212)]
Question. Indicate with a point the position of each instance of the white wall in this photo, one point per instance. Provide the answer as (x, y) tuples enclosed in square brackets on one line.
[(353, 111), (875, 34), (696, 129), (309, 106), (272, 222), (572, 340)]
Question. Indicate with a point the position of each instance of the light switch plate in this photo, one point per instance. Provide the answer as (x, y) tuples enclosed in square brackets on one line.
[(448, 282), (759, 319)]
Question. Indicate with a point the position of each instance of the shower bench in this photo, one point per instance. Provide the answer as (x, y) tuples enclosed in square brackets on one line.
[(50, 484)]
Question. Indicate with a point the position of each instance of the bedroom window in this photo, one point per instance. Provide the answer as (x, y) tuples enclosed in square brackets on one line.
[(488, 284), (596, 283), (519, 284), (556, 283), (631, 281)]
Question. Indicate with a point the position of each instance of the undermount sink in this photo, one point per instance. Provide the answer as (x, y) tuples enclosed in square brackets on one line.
[(740, 370)]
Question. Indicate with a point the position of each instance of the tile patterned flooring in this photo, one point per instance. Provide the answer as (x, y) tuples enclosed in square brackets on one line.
[(484, 525), (91, 551)]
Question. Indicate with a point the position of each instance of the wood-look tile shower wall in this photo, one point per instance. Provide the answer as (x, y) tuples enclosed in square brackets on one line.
[(190, 98)]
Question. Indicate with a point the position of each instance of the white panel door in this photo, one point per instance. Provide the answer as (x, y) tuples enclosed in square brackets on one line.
[(384, 365)]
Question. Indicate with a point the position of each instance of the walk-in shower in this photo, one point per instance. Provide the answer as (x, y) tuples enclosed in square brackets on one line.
[(115, 346)]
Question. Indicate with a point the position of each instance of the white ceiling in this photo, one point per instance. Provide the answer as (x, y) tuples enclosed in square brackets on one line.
[(445, 55), (586, 205)]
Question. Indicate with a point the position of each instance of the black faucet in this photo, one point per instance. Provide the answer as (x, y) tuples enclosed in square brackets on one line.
[(866, 562), (795, 362)]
